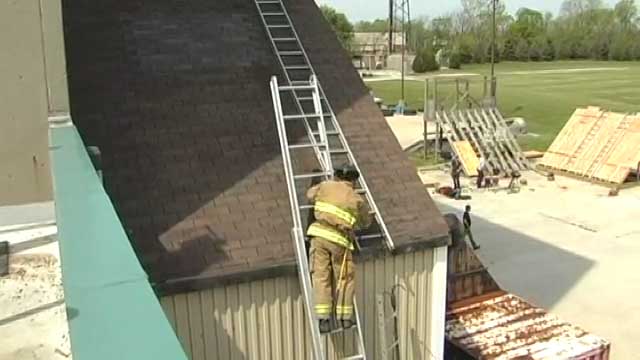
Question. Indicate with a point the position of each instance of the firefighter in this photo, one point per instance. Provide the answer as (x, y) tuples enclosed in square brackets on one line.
[(338, 211)]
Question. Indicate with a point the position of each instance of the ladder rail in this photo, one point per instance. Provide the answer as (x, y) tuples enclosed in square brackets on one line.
[(299, 107), (322, 129), (361, 180), (297, 232), (361, 347)]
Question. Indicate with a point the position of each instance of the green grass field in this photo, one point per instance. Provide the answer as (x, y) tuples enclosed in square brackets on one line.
[(545, 100)]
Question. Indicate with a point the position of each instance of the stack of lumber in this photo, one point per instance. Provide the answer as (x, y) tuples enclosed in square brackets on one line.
[(597, 145)]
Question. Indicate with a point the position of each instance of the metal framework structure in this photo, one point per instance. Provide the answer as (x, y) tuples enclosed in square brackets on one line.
[(399, 14), (477, 121), (399, 19)]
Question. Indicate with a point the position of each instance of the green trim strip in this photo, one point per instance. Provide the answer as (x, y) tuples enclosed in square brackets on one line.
[(112, 310)]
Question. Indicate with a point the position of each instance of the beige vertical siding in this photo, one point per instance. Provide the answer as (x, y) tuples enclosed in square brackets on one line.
[(265, 319), (32, 85)]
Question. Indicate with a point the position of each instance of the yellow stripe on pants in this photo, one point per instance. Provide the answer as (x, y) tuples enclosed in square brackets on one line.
[(329, 234)]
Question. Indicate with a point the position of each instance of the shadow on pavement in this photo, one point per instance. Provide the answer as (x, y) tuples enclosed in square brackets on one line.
[(524, 265)]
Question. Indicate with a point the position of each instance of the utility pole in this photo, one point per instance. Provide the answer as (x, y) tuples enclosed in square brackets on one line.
[(493, 48), (391, 16), (404, 51), (399, 12)]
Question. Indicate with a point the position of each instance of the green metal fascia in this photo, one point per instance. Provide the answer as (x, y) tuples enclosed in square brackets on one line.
[(113, 312)]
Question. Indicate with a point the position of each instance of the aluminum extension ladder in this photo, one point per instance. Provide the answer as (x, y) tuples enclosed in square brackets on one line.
[(297, 70), (293, 184)]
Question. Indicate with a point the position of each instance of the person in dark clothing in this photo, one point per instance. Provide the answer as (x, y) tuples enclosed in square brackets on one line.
[(466, 220), (456, 169)]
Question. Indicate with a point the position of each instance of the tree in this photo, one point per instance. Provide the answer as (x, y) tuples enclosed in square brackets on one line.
[(377, 25), (455, 61), (522, 50), (549, 51), (425, 61), (529, 24), (626, 12), (584, 29), (509, 48), (571, 8), (621, 48), (418, 64), (419, 35), (340, 25)]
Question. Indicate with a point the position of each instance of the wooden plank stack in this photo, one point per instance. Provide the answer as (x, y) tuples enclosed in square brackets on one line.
[(598, 145)]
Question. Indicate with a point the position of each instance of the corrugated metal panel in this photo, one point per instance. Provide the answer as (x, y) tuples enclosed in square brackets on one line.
[(506, 327), (265, 319)]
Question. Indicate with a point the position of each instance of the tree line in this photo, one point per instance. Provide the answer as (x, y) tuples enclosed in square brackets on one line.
[(583, 29)]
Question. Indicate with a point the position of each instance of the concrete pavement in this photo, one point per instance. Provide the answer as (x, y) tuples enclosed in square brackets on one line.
[(565, 246)]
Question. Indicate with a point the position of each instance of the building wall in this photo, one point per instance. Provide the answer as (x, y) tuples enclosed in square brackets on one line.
[(32, 85), (265, 319)]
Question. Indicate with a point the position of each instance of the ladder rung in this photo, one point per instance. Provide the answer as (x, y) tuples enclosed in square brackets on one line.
[(369, 237), (290, 53), (328, 132), (304, 116), (338, 330), (279, 26), (297, 67), (285, 39), (268, 2), (307, 98), (338, 151), (306, 146), (306, 207), (296, 87), (273, 13), (310, 175)]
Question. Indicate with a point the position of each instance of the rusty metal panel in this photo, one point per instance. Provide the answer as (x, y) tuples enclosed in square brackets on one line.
[(265, 319), (504, 326)]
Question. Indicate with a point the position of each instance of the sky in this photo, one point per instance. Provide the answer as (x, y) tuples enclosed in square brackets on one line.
[(370, 9)]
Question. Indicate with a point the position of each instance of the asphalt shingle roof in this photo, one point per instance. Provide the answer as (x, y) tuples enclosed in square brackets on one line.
[(177, 98)]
